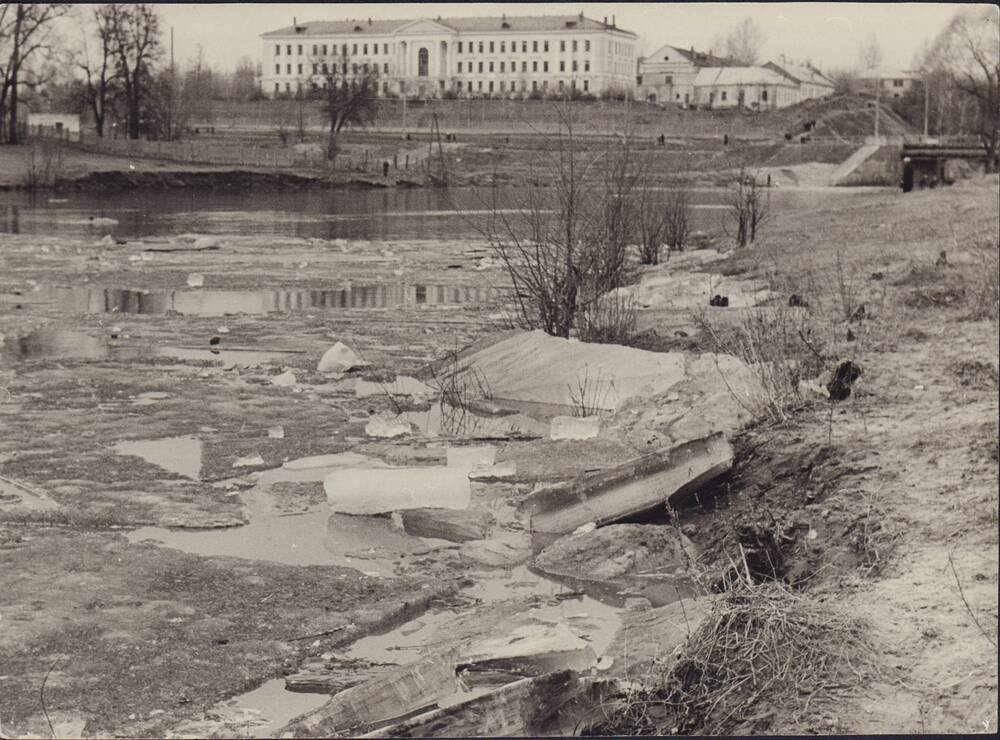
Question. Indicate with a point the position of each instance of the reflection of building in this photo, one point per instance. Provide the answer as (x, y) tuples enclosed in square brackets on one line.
[(895, 82), (505, 56)]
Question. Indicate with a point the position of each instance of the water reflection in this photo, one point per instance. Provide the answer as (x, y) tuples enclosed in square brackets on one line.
[(220, 302)]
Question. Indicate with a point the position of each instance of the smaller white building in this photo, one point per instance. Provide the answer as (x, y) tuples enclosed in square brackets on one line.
[(754, 88), (667, 75), (895, 82), (58, 125), (812, 83)]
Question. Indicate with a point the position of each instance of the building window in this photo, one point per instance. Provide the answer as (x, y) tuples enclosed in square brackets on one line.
[(385, 48), (491, 66), (501, 67), (343, 68), (480, 86), (354, 50), (480, 47), (562, 46), (277, 50), (586, 65), (326, 68), (277, 87), (763, 95), (324, 49), (524, 47), (524, 66), (343, 50), (375, 49), (586, 85), (315, 68), (586, 45), (534, 85), (459, 47), (300, 49), (300, 69), (545, 66), (354, 69), (385, 67), (423, 62), (534, 46), (545, 84), (562, 66), (574, 65), (314, 49), (288, 49), (288, 68), (469, 85), (491, 85), (501, 85), (723, 94), (365, 48), (503, 47), (288, 87), (897, 83), (480, 68), (491, 47), (545, 46), (277, 69), (574, 44), (561, 85), (460, 68)]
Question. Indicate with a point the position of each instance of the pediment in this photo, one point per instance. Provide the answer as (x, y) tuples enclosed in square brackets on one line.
[(423, 26)]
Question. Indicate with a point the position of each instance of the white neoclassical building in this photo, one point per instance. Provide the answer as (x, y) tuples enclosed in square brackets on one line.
[(504, 56)]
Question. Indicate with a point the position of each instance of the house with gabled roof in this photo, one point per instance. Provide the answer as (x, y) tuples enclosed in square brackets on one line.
[(753, 88), (667, 75), (812, 83), (505, 56)]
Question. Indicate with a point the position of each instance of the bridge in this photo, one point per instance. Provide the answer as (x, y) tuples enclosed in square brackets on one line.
[(925, 164)]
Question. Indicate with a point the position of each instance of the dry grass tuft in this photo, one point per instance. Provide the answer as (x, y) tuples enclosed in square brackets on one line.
[(781, 346), (762, 647), (983, 294), (608, 320)]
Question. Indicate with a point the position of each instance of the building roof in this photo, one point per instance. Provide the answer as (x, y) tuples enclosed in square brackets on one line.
[(371, 27), (697, 58), (888, 73), (708, 76), (799, 73)]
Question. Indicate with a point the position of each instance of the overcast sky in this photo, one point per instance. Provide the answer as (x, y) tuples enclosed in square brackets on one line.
[(827, 33)]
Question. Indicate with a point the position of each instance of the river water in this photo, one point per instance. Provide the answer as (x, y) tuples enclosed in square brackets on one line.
[(376, 214)]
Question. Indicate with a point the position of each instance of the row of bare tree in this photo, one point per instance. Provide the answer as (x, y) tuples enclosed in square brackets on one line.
[(565, 244)]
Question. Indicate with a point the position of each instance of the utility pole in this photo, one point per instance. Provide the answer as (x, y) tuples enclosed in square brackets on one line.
[(927, 100), (878, 93), (173, 84)]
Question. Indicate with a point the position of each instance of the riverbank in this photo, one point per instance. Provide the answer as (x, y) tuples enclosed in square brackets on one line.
[(887, 502)]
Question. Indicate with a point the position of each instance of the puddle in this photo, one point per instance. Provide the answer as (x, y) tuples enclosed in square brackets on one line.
[(221, 302), (47, 344), (181, 455), (270, 707)]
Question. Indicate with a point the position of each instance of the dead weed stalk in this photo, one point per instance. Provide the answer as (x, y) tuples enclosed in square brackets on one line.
[(781, 348), (762, 646), (608, 320), (457, 384), (590, 396)]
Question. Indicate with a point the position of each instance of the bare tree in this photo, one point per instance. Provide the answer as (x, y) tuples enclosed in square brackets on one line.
[(969, 49), (744, 42), (651, 217), (749, 206), (25, 31), (243, 81), (677, 216), (135, 34), (563, 245), (870, 54), (99, 74), (349, 91)]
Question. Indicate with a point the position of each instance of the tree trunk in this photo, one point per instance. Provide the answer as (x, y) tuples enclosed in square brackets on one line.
[(12, 124), (331, 143), (133, 118)]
